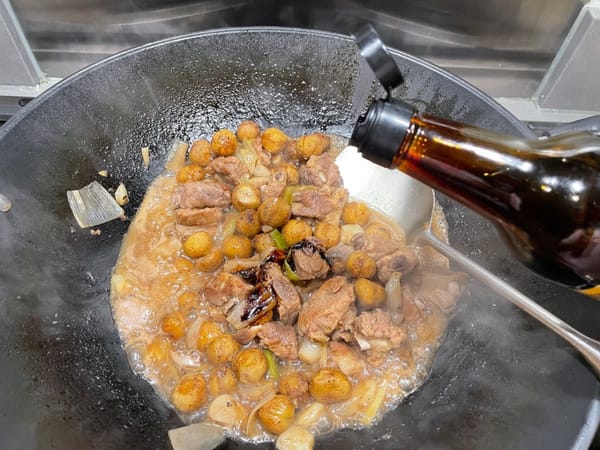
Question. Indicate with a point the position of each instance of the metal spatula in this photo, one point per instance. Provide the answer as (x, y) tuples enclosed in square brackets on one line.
[(411, 204)]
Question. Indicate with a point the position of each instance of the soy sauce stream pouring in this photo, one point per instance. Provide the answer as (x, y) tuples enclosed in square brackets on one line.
[(516, 184)]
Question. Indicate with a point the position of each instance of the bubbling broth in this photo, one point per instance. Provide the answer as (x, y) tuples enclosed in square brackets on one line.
[(253, 294)]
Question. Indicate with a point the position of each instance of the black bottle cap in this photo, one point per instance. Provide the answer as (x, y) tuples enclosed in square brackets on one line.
[(378, 58), (379, 133)]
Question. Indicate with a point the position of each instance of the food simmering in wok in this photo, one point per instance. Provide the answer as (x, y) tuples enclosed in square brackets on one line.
[(255, 295)]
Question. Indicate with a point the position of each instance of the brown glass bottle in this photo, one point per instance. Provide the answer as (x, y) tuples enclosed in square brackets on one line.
[(543, 195)]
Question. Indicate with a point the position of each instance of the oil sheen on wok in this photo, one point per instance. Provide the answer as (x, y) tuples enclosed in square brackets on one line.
[(255, 295)]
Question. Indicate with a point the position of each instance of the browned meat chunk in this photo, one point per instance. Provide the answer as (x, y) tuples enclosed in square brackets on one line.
[(377, 328), (288, 299), (440, 288), (198, 217), (309, 263), (225, 287), (338, 197), (321, 314), (280, 339), (312, 203), (345, 328), (346, 358), (321, 170), (230, 167), (201, 194), (377, 248), (276, 184), (337, 257), (295, 386), (184, 231), (403, 261)]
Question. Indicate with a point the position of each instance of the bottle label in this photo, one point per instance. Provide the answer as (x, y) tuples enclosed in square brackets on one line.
[(592, 292)]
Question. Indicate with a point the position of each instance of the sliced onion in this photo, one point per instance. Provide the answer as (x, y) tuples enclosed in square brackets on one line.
[(394, 302), (371, 412), (248, 156), (295, 438), (362, 342), (176, 156), (362, 393), (251, 425), (315, 417), (310, 352), (93, 205), (198, 436), (261, 171), (193, 331), (187, 360)]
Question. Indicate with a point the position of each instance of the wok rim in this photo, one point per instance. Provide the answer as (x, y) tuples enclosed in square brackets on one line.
[(23, 112)]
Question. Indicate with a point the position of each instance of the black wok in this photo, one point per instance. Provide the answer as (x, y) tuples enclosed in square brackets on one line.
[(500, 379)]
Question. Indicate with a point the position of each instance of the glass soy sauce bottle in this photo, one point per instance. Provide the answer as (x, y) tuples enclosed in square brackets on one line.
[(543, 195)]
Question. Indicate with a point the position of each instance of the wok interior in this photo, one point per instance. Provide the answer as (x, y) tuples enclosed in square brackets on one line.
[(499, 376)]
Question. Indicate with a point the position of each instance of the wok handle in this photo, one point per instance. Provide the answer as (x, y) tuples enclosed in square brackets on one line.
[(588, 347)]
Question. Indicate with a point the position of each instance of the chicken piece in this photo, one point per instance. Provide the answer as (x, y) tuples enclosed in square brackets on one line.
[(403, 261), (377, 248), (276, 184), (280, 339), (377, 329), (230, 167), (288, 299), (198, 217), (345, 328), (225, 287), (321, 170), (440, 288), (201, 194), (309, 263), (321, 314), (312, 203)]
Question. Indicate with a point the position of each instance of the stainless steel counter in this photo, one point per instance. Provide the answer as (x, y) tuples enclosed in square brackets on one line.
[(504, 47)]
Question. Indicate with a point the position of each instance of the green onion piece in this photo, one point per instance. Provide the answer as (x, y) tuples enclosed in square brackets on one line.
[(272, 364), (289, 272), (278, 239), (288, 193)]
